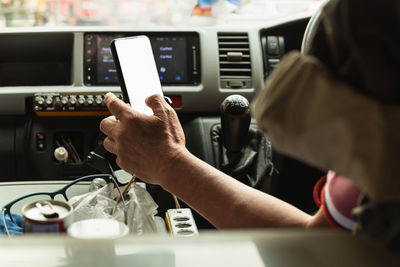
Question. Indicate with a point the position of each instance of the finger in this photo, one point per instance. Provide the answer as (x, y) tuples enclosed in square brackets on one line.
[(157, 103), (119, 163), (107, 125), (116, 106), (110, 145)]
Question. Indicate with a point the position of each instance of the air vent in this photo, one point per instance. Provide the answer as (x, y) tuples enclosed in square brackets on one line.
[(234, 60)]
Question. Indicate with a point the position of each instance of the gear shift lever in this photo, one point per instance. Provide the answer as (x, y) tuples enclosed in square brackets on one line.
[(240, 151), (235, 122)]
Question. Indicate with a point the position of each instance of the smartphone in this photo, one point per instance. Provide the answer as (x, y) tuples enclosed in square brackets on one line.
[(137, 71)]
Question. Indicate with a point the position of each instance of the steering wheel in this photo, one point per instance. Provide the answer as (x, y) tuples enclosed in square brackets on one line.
[(311, 30)]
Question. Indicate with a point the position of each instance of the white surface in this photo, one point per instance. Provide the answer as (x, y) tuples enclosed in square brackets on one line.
[(270, 248)]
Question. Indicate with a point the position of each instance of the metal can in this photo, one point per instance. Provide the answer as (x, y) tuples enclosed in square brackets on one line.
[(46, 216)]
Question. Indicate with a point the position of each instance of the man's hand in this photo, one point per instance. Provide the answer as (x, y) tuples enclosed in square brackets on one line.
[(144, 145)]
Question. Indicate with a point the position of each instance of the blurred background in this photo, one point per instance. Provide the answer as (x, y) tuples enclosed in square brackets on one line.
[(55, 13)]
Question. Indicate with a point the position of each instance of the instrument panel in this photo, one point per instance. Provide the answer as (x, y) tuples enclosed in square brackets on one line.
[(198, 66)]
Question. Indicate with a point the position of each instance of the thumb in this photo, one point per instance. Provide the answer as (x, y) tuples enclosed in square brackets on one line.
[(116, 106)]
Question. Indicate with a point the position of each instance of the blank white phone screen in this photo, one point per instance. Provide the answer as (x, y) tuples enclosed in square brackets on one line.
[(139, 70)]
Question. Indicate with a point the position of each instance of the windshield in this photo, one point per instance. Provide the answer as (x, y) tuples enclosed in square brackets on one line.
[(54, 13)]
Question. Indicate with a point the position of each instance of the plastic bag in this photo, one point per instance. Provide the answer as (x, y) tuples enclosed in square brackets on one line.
[(141, 210), (138, 212)]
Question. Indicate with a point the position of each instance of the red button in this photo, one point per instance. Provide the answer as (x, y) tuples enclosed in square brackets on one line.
[(176, 101)]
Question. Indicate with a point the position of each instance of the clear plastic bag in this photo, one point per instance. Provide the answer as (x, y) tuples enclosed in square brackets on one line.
[(138, 212), (141, 210)]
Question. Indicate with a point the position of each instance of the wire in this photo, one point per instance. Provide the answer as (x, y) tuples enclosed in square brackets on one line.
[(74, 150), (177, 205), (114, 179), (71, 150), (126, 188)]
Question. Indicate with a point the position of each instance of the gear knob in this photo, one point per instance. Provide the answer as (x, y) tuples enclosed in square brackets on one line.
[(235, 122)]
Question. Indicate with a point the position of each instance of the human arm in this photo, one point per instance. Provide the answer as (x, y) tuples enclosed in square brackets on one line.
[(227, 203), (153, 147)]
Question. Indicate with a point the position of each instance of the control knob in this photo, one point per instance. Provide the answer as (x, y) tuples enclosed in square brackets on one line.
[(99, 100), (72, 100), (81, 100), (49, 100), (90, 100), (39, 100), (61, 154), (64, 100)]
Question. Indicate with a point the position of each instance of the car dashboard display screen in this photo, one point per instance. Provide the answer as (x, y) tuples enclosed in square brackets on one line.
[(176, 55), (35, 59)]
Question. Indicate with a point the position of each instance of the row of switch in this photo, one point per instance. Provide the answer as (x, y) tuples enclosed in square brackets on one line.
[(62, 102), (52, 102)]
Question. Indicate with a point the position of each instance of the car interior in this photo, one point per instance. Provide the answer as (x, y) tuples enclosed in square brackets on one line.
[(52, 86), (40, 113)]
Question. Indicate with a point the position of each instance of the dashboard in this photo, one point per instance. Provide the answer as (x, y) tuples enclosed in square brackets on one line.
[(52, 83), (198, 65)]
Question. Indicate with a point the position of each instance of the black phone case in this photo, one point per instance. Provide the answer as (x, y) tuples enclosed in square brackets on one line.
[(119, 72)]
